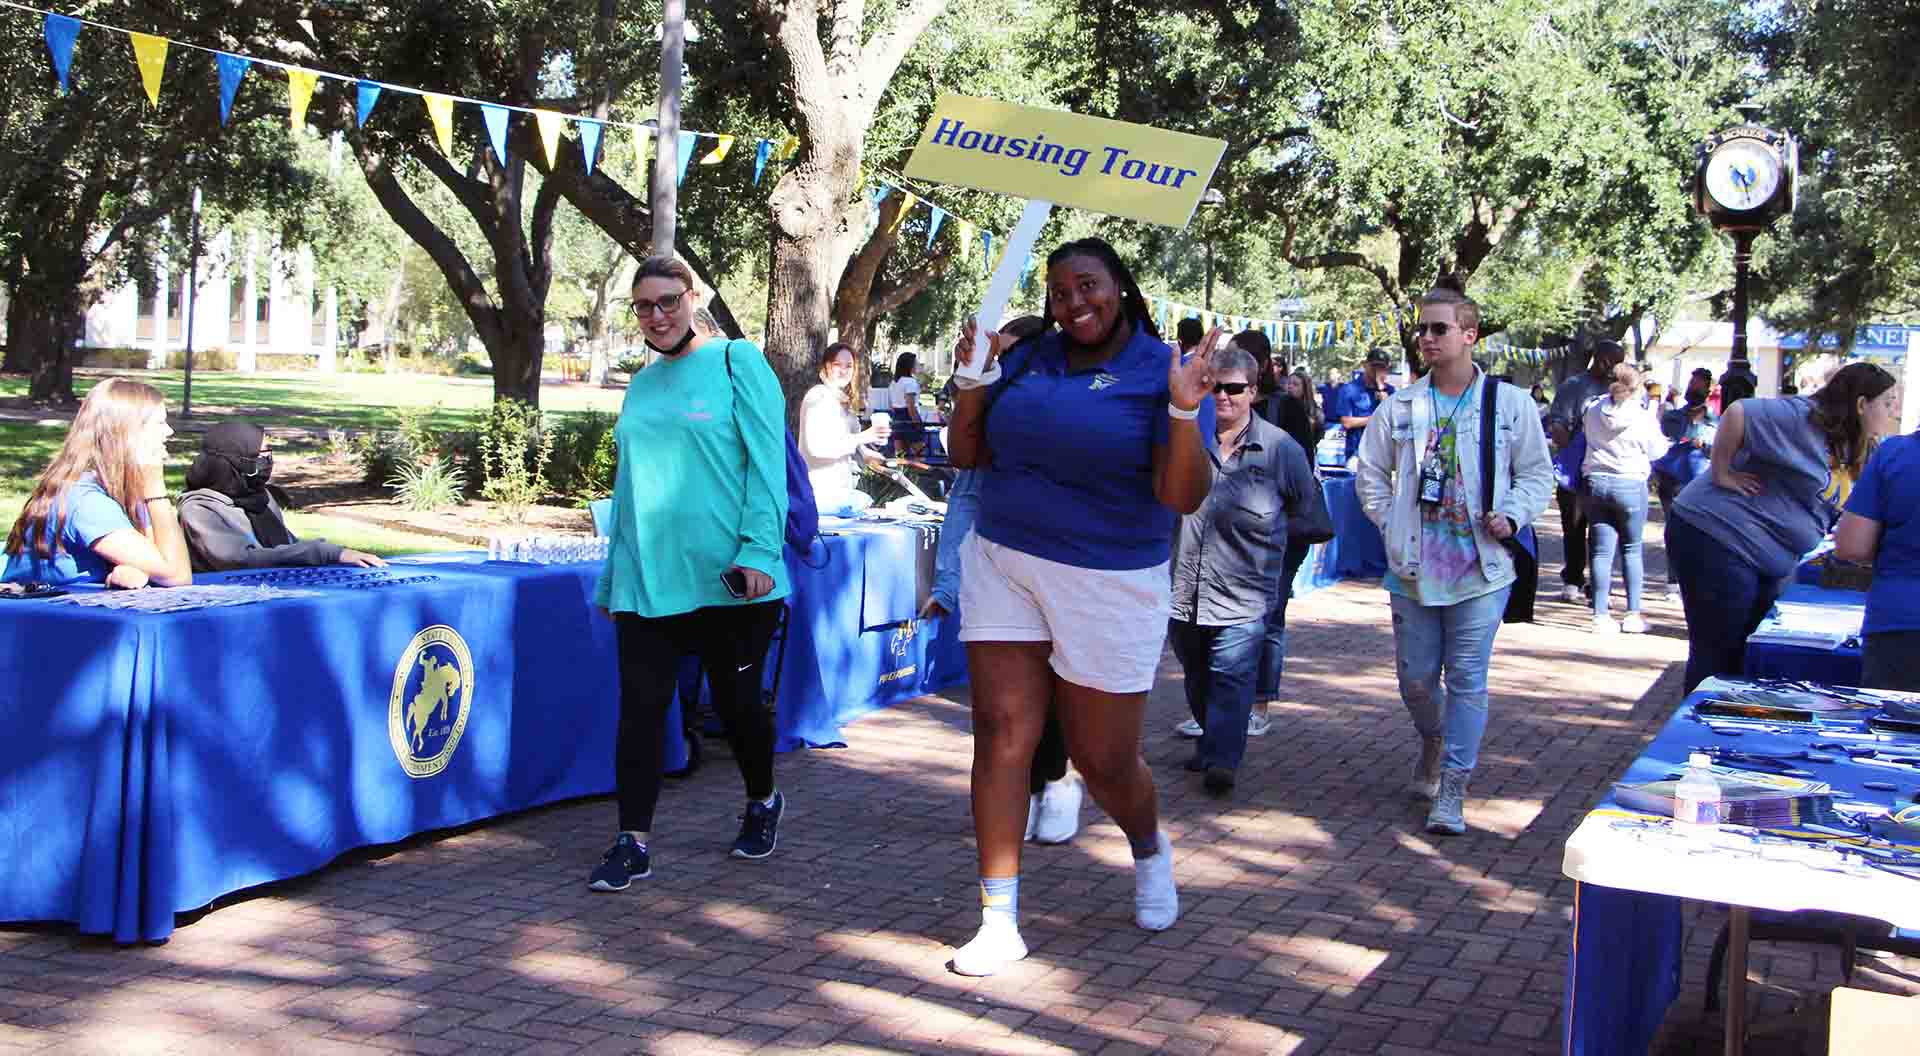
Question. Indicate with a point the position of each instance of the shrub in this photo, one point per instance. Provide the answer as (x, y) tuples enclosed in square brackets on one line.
[(340, 448), (427, 483), (631, 364), (381, 453), (516, 447), (583, 455)]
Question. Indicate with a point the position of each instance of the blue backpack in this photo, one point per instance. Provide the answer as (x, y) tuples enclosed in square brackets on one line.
[(803, 510)]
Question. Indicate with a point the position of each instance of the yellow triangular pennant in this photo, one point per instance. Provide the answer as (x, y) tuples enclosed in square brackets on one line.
[(549, 124), (967, 238), (788, 148), (299, 92), (440, 110), (718, 154), (907, 202), (150, 52)]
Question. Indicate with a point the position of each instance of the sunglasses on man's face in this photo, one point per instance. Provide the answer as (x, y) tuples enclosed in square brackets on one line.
[(1436, 329), (1231, 388)]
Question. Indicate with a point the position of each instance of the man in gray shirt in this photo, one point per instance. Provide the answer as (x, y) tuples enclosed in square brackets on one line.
[(1227, 561), (1564, 419)]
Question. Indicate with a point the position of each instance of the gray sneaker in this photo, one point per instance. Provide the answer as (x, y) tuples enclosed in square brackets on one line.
[(1448, 816)]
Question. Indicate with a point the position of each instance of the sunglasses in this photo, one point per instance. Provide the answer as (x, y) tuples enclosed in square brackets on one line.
[(1231, 388), (1436, 329), (666, 305)]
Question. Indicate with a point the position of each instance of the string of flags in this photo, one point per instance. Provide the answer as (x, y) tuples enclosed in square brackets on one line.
[(1381, 328), (968, 234), (150, 53)]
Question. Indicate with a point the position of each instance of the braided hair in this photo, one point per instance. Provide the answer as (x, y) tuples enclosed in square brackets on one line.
[(1131, 300)]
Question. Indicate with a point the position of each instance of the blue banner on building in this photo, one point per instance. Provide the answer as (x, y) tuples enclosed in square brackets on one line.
[(1881, 341)]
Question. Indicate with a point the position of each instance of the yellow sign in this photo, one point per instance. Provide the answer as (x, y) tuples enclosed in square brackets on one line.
[(432, 696), (1068, 159)]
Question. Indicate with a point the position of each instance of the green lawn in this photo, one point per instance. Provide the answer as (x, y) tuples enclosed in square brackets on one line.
[(312, 401)]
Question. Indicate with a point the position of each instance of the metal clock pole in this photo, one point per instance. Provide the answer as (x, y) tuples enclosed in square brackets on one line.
[(1738, 365)]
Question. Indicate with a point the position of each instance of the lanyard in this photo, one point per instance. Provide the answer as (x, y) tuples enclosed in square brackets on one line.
[(1443, 424)]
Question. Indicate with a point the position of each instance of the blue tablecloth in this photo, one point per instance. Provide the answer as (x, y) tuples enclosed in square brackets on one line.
[(151, 763), (1844, 666), (1623, 969), (1356, 550)]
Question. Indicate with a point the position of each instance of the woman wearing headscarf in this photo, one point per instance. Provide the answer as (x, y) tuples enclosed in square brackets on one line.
[(231, 516)]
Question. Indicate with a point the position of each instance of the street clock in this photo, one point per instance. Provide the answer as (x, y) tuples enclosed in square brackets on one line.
[(1747, 177)]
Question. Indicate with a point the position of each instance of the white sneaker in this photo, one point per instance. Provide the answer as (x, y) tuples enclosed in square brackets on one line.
[(1033, 816), (1605, 625), (1156, 902), (1426, 772), (1571, 593), (1258, 725), (1633, 623), (994, 946), (1058, 814), (1188, 728), (1673, 594)]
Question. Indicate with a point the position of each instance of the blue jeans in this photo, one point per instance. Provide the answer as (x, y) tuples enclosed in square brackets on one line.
[(1724, 597), (1219, 665), (1616, 511), (1454, 642), (1273, 648)]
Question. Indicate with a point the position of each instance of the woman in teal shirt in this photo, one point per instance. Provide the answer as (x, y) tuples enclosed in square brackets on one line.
[(699, 505)]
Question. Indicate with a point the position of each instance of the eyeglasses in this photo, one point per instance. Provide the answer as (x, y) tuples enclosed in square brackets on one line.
[(666, 305), (1231, 388), (1436, 329)]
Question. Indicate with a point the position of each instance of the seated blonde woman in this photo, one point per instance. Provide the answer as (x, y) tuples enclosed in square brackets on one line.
[(231, 517)]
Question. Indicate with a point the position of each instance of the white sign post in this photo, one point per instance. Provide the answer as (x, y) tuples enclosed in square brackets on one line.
[(1910, 385), (1005, 277)]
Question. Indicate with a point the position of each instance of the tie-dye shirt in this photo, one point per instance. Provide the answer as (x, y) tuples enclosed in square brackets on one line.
[(1450, 570)]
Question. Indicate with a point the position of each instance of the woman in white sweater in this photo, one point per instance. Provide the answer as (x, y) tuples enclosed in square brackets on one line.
[(830, 435), (1623, 439)]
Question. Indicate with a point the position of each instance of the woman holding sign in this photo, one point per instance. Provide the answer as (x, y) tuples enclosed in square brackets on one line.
[(1089, 444)]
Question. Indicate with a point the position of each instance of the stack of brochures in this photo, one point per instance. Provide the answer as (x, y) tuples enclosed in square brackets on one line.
[(1747, 797), (1810, 626)]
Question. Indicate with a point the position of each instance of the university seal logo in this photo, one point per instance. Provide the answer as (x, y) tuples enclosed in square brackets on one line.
[(432, 693)]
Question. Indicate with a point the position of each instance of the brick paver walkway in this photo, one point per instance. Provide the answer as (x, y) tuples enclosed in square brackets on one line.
[(1318, 917)]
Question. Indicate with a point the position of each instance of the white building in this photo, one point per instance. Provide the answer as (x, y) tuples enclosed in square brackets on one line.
[(255, 300), (1683, 344)]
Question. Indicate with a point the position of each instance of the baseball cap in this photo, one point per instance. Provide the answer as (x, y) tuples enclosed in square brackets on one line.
[(1608, 346), (1379, 356)]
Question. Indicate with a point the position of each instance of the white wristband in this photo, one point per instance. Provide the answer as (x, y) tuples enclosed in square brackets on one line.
[(1185, 416), (966, 384)]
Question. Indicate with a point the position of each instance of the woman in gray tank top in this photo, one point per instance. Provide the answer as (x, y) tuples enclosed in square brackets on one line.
[(1780, 467)]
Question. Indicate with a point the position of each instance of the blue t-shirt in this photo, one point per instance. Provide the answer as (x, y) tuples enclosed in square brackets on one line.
[(1072, 473), (80, 518), (1355, 400), (1888, 491)]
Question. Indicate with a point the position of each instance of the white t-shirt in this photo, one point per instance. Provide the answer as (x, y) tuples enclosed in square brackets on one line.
[(827, 443), (902, 394)]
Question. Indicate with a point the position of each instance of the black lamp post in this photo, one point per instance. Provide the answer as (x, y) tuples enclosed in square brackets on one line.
[(1746, 179)]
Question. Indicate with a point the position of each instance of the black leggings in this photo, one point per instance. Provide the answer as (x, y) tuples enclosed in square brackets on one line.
[(731, 642)]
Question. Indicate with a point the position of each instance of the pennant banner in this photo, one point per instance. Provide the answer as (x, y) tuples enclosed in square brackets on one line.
[(366, 93), (440, 112), (761, 153), (589, 141), (685, 148), (299, 92), (232, 69), (495, 118), (549, 124), (61, 32), (719, 153), (933, 225), (150, 52)]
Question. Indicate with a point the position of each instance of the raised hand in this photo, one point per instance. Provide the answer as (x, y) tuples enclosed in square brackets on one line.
[(1190, 382)]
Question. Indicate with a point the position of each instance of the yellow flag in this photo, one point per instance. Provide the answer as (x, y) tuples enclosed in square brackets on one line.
[(719, 153), (788, 148), (299, 91), (907, 201), (549, 124), (967, 238), (440, 110), (150, 52)]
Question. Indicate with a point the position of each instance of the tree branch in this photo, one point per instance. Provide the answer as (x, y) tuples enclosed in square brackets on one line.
[(882, 56), (465, 282)]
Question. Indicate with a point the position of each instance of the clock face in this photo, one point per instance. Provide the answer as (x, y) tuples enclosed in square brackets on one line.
[(1742, 175)]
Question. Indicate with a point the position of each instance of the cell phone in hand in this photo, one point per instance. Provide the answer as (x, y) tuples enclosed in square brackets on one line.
[(736, 581)]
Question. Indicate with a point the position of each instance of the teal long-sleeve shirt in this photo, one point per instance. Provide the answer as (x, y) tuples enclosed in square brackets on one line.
[(701, 482)]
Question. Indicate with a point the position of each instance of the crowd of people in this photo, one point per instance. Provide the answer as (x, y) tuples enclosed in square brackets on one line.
[(1115, 496)]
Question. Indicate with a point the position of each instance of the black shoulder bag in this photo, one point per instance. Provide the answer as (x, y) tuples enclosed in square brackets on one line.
[(1521, 545)]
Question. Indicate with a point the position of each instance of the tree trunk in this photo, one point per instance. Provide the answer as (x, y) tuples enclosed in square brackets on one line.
[(18, 361), (799, 293), (45, 327)]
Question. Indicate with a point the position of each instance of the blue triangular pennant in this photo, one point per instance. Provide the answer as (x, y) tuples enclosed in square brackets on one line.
[(366, 94), (686, 142), (873, 205), (760, 155), (495, 118), (986, 240), (61, 32), (232, 68), (933, 226), (589, 141)]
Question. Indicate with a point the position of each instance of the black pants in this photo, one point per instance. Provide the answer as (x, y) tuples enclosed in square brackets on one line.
[(731, 642), (1050, 755), (1573, 529)]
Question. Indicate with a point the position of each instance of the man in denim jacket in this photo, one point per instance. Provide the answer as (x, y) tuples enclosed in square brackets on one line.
[(1448, 573)]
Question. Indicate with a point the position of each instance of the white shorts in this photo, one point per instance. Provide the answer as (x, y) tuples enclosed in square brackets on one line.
[(1107, 627)]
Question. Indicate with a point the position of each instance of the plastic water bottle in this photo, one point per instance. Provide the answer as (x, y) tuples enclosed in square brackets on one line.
[(493, 548), (1696, 799)]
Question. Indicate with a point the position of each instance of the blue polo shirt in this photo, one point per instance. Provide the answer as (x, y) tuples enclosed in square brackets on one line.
[(80, 518), (1355, 400), (1071, 478), (1888, 491)]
